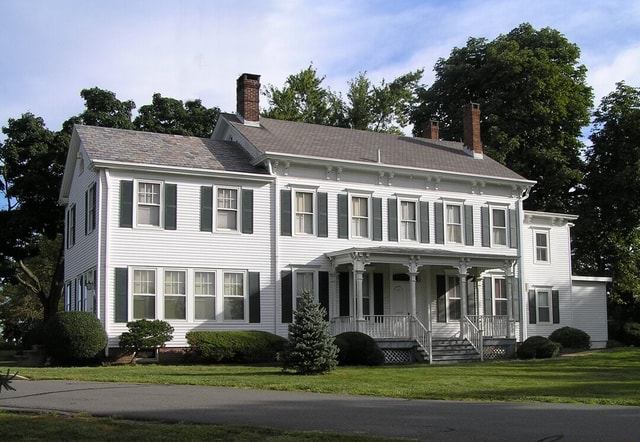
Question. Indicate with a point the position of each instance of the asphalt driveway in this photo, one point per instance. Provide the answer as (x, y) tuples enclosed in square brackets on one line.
[(427, 420)]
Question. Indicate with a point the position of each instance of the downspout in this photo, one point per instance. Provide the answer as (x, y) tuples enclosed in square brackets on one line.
[(107, 254), (569, 225), (523, 292), (276, 244)]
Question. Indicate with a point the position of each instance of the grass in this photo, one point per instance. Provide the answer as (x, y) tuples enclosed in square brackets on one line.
[(603, 377), (37, 427)]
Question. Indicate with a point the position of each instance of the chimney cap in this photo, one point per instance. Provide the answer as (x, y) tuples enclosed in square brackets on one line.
[(249, 76)]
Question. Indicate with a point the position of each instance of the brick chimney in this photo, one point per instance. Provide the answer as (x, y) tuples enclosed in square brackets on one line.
[(471, 125), (248, 99), (431, 130)]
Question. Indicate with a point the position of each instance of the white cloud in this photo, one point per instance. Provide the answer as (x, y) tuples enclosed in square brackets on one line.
[(604, 74)]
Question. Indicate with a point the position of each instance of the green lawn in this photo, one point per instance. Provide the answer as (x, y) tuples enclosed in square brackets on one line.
[(38, 427), (604, 377)]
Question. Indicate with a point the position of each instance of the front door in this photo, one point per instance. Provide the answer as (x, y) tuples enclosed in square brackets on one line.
[(400, 298)]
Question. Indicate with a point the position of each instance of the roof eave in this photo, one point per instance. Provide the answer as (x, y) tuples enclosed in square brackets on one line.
[(69, 168), (565, 216)]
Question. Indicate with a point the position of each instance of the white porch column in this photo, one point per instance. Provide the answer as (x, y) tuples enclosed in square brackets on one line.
[(463, 268), (508, 276), (412, 270), (359, 262), (333, 294)]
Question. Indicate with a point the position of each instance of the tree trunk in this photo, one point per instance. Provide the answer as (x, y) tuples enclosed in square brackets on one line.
[(56, 289)]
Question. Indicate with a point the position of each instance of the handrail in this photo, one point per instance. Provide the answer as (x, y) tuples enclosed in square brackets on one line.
[(494, 325), (423, 336), (474, 335)]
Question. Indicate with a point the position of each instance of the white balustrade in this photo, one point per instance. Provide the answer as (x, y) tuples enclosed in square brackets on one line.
[(497, 326)]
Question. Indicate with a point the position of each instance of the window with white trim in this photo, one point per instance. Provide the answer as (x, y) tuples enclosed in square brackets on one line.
[(80, 293), (454, 302), (71, 226), (67, 297), (541, 239), (148, 204), (233, 294), (543, 304), (144, 294), (360, 216), (227, 209), (90, 287), (175, 294), (453, 219), (204, 293), (408, 220), (499, 226), (304, 213), (500, 296), (305, 282), (91, 208)]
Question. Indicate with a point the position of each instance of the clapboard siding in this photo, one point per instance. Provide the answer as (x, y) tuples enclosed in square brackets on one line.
[(590, 310)]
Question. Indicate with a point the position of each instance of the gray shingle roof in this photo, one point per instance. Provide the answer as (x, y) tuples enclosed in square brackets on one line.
[(314, 140), (130, 146)]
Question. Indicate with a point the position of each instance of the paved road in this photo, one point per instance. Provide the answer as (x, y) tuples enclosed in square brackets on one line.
[(428, 420)]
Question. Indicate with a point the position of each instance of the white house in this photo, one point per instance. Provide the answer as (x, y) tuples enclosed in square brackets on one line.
[(419, 242)]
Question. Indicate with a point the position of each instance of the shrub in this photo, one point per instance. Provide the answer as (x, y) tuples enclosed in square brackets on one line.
[(144, 335), (235, 346), (570, 337), (356, 348), (74, 338), (310, 349), (626, 332), (538, 347)]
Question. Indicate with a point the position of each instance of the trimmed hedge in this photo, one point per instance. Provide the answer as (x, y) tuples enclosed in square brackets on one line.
[(358, 349), (235, 346), (538, 347), (74, 338), (570, 337)]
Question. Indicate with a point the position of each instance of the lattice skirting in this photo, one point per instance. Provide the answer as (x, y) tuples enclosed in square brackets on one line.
[(497, 352), (398, 355)]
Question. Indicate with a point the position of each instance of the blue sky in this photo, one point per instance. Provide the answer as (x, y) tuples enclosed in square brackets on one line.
[(196, 49)]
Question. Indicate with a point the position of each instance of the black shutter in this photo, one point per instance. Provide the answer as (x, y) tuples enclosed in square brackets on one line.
[(439, 220), (468, 225), (555, 304), (323, 215), (515, 299), (170, 206), (247, 211), (254, 297), (484, 223), (471, 297), (488, 301), (126, 203), (532, 307), (75, 223), (513, 229), (377, 218), (343, 293), (392, 207), (343, 216), (323, 295), (94, 197), (287, 296), (86, 212), (441, 294), (206, 209), (424, 221), (378, 294), (121, 297), (285, 213)]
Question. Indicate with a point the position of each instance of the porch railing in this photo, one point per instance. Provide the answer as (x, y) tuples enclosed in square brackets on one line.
[(423, 336), (498, 326), (474, 335), (376, 326)]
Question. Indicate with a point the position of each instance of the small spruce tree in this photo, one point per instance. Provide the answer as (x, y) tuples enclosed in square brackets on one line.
[(310, 349)]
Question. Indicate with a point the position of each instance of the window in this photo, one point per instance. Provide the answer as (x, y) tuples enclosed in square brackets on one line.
[(233, 296), (304, 283), (67, 297), (408, 220), (204, 290), (359, 217), (542, 246), (227, 218), (454, 224), (91, 208), (500, 296), (71, 226), (175, 295), (304, 212), (144, 294), (453, 295), (544, 306), (80, 293), (90, 284), (148, 213), (499, 226)]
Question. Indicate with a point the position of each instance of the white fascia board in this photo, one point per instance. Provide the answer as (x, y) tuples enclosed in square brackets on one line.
[(120, 165), (367, 166), (566, 216), (69, 168), (592, 278)]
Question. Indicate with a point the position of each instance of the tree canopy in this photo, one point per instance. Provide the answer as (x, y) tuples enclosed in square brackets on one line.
[(534, 102), (382, 108)]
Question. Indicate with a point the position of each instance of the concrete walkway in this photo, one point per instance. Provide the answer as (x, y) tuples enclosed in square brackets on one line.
[(428, 420)]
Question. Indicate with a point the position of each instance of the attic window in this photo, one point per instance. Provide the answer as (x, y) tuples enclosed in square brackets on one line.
[(80, 163)]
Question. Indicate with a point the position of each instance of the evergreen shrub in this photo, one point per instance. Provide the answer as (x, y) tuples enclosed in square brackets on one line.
[(235, 346), (538, 347), (74, 338), (357, 348), (570, 337)]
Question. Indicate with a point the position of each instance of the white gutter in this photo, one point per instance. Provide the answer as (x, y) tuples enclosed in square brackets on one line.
[(376, 166), (592, 278), (179, 170)]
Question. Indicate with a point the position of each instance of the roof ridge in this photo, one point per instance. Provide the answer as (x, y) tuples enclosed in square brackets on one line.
[(136, 131)]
